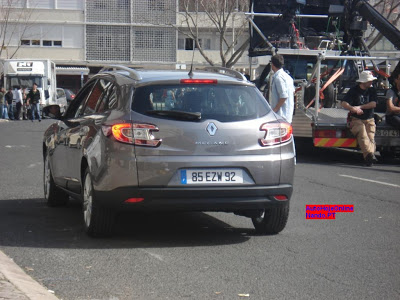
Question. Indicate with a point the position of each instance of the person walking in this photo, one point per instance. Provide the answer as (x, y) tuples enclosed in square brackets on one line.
[(2, 102), (393, 103), (33, 99), (9, 111), (24, 106), (282, 89), (360, 101), (18, 102)]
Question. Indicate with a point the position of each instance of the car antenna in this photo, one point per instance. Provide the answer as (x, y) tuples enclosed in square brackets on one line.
[(194, 46), (191, 65)]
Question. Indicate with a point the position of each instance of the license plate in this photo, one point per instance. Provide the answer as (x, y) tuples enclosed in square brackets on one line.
[(212, 176), (387, 132)]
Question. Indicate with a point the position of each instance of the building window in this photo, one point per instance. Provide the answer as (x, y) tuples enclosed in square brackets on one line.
[(44, 43), (189, 44)]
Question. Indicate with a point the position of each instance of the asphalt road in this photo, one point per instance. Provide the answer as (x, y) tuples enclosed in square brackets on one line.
[(208, 255)]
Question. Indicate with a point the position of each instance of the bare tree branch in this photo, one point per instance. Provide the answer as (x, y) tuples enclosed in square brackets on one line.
[(218, 14), (14, 22)]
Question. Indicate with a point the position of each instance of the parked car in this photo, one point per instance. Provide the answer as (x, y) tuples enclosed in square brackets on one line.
[(69, 94), (169, 140)]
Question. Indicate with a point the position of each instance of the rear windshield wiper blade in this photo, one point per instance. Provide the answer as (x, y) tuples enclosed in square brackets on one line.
[(178, 114)]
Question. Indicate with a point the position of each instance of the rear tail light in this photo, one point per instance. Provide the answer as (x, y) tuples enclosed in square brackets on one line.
[(136, 134), (280, 197), (72, 96), (134, 200), (275, 133), (199, 81)]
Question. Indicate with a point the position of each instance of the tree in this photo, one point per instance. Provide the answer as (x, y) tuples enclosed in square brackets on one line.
[(224, 16), (390, 9), (14, 23)]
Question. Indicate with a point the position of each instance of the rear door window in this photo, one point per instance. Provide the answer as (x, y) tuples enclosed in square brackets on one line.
[(225, 103), (76, 106), (108, 99)]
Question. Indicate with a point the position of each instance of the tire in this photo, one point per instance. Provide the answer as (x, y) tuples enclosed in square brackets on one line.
[(309, 94), (329, 95), (53, 195), (272, 221), (98, 221)]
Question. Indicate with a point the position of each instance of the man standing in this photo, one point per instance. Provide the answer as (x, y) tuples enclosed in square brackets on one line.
[(360, 100), (9, 112), (33, 99), (393, 102), (282, 90), (18, 102), (2, 102)]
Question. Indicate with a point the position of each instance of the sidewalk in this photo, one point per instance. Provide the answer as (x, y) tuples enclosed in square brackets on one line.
[(15, 284)]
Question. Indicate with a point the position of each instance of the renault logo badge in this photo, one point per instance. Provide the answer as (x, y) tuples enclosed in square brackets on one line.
[(211, 129)]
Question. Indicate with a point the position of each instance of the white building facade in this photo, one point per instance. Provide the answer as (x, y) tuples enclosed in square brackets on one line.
[(92, 33)]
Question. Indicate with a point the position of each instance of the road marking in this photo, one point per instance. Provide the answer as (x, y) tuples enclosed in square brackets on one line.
[(369, 180), (16, 146), (34, 165), (159, 257)]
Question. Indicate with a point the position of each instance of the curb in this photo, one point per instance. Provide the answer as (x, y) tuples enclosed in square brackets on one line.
[(21, 282)]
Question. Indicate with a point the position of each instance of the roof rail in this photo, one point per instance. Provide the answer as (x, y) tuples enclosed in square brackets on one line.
[(132, 72), (226, 71)]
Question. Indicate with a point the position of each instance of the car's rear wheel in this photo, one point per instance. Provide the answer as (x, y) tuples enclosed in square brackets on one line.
[(98, 220), (273, 220), (53, 195)]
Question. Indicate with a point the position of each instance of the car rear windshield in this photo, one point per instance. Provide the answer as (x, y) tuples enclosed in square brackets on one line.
[(225, 103)]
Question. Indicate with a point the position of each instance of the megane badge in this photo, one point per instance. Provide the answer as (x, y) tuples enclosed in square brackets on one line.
[(211, 129)]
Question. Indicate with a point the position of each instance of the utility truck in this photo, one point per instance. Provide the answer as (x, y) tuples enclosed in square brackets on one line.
[(25, 72), (323, 44)]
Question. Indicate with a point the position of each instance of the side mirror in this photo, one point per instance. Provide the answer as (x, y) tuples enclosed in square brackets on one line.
[(52, 112)]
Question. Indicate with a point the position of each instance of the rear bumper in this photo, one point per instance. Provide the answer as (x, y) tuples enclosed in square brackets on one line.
[(195, 198)]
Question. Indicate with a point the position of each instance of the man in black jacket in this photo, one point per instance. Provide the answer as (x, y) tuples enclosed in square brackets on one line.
[(9, 98), (360, 100), (33, 99)]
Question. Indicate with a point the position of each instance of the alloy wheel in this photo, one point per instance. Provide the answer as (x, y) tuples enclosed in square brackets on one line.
[(87, 200), (47, 178)]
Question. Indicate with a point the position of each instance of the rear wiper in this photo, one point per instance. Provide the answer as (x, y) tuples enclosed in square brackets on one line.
[(178, 114)]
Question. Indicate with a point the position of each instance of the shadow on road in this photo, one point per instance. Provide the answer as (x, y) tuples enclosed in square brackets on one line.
[(308, 154), (30, 223)]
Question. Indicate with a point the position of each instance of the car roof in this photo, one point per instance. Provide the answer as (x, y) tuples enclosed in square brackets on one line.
[(145, 77)]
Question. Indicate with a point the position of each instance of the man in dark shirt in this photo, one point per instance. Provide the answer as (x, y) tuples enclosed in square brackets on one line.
[(9, 98), (360, 100), (393, 102), (33, 99)]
